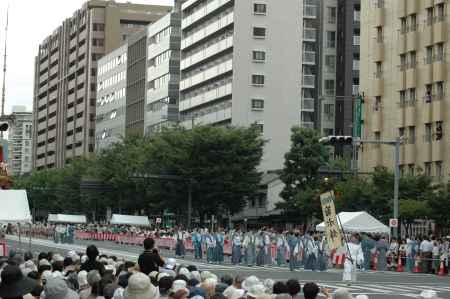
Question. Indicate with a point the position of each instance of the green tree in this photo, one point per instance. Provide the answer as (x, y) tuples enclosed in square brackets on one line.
[(300, 174)]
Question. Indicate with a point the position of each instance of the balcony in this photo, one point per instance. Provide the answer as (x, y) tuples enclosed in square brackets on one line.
[(309, 57), (211, 116), (201, 13), (356, 40), (207, 74), (203, 33), (308, 124), (401, 8), (411, 77), (188, 4), (309, 11), (379, 17), (308, 105), (378, 54), (439, 29), (411, 41), (356, 16), (309, 34), (355, 90), (309, 81), (439, 71), (212, 50), (412, 7), (356, 65), (202, 98)]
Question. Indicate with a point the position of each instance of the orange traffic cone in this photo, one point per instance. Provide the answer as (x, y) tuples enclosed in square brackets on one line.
[(441, 269), (374, 262), (399, 264), (416, 265)]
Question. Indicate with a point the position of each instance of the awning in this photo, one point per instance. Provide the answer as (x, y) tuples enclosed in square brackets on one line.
[(14, 206), (358, 222), (129, 220), (64, 218)]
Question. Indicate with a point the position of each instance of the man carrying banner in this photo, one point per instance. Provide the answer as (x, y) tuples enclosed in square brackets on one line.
[(353, 257)]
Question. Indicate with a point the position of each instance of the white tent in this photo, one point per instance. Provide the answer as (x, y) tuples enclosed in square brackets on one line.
[(64, 218), (358, 222), (14, 206), (129, 220)]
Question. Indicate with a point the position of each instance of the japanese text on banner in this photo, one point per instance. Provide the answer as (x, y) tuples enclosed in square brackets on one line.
[(332, 229)]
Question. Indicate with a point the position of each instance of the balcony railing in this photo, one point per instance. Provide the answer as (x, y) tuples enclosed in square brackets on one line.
[(356, 40), (356, 65), (309, 11), (355, 90), (309, 57), (309, 34), (308, 104), (308, 124), (356, 16), (309, 81)]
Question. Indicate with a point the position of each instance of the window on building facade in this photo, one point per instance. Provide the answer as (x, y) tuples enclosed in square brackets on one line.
[(259, 32), (259, 8), (257, 104), (331, 15), (330, 63), (403, 25), (412, 59), (428, 133), (379, 30), (329, 87), (427, 168), (413, 22), (258, 79), (331, 39), (439, 52), (428, 54), (259, 56), (439, 172), (411, 134)]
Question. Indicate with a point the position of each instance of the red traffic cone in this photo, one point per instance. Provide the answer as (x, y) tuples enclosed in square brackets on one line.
[(399, 264), (416, 265), (374, 262), (441, 269)]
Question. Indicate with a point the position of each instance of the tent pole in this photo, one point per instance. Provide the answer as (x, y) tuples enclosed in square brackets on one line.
[(20, 237), (29, 240)]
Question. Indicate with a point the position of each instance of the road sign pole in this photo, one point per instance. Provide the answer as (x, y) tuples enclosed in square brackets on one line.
[(189, 205), (396, 180)]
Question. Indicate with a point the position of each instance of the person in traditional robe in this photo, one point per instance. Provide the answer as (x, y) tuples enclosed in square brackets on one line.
[(282, 245), (180, 249), (236, 243), (410, 252), (249, 245), (293, 246), (368, 246), (267, 248), (310, 252), (197, 242), (382, 248), (354, 256), (322, 257), (218, 251), (210, 247), (260, 250)]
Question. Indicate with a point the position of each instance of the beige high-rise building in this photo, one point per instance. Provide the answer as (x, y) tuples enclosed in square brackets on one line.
[(404, 80), (65, 82)]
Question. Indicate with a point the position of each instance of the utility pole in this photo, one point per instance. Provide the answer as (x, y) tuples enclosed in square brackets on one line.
[(4, 69)]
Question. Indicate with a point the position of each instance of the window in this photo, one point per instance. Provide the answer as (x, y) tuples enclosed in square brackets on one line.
[(427, 168), (439, 170), (377, 104), (259, 32), (329, 87), (439, 133), (402, 62), (379, 3), (413, 22), (429, 55), (257, 104), (259, 9), (402, 98), (259, 56), (379, 34), (331, 39), (379, 69), (428, 134), (331, 13), (401, 132), (403, 25), (412, 59), (260, 128), (439, 52), (412, 95), (439, 90), (258, 79), (428, 93), (411, 169), (412, 135), (330, 63), (440, 14), (429, 15)]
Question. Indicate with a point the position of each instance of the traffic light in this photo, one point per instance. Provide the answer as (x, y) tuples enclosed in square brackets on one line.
[(3, 126), (337, 140)]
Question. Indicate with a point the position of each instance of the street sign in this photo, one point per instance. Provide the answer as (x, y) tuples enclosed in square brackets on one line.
[(158, 220), (393, 222)]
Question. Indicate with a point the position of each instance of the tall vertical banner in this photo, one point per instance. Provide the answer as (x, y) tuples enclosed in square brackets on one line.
[(357, 117), (332, 229)]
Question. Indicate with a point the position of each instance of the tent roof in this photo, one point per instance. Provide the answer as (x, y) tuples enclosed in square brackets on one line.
[(130, 220), (358, 222), (64, 218), (14, 205)]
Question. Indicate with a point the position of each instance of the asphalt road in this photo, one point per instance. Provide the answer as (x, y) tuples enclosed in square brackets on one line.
[(377, 285)]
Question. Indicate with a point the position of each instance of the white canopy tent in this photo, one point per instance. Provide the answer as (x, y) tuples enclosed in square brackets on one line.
[(354, 222), (14, 207), (64, 218), (129, 220)]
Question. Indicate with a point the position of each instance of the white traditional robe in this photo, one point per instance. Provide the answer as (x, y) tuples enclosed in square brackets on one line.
[(354, 256)]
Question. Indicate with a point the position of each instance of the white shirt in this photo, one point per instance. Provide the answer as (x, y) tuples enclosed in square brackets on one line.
[(426, 246)]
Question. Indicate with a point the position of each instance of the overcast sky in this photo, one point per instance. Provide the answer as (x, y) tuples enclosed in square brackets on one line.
[(30, 21)]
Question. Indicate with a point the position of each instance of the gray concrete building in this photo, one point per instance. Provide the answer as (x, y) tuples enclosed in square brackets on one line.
[(111, 98), (20, 141), (241, 65), (163, 73), (65, 82)]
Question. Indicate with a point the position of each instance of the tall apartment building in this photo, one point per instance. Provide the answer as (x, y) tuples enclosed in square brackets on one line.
[(65, 82), (163, 72), (241, 65), (404, 76), (111, 98), (20, 141)]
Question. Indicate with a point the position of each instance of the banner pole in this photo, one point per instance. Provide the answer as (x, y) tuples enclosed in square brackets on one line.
[(343, 232)]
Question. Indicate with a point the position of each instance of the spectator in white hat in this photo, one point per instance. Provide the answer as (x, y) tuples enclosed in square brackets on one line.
[(140, 287)]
